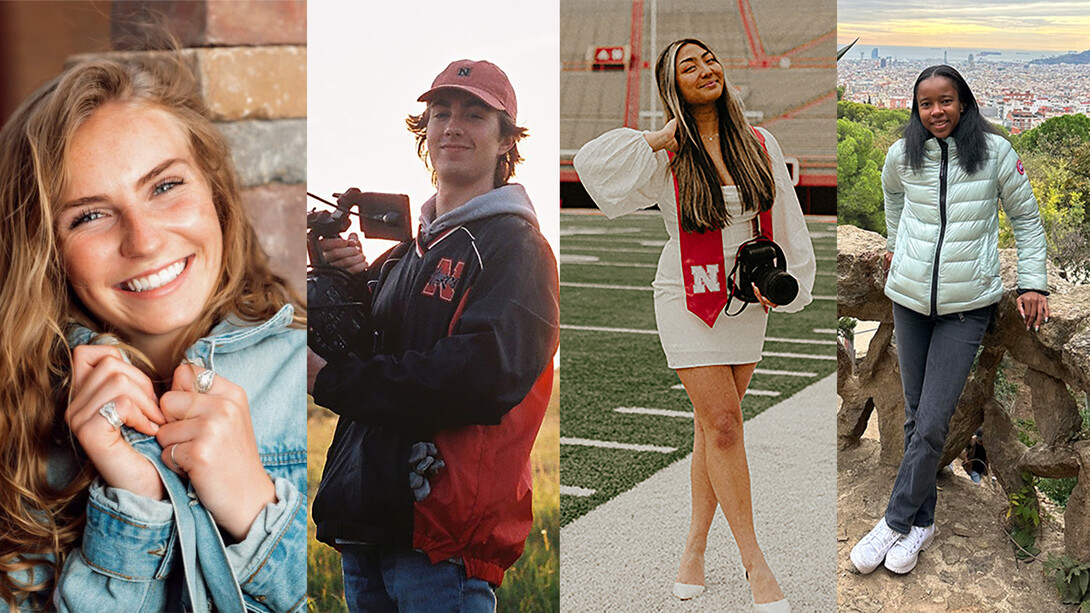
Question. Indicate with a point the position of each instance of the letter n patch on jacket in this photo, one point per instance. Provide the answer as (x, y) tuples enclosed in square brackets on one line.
[(445, 279)]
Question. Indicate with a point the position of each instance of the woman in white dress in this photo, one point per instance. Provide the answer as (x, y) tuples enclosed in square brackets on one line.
[(713, 177)]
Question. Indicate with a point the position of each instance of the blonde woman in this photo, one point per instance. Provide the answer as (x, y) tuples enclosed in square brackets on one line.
[(152, 431), (713, 177)]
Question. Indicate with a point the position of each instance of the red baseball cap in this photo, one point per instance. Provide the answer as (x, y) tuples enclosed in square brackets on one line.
[(480, 78)]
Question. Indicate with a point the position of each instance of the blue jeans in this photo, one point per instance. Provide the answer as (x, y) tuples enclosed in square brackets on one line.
[(378, 580), (935, 355)]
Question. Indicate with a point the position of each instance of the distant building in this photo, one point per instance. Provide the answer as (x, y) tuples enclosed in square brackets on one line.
[(944, 59), (874, 53), (900, 102), (1020, 121), (883, 63)]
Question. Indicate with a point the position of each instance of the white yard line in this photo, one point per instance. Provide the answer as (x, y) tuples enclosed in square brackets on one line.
[(775, 339), (586, 442), (803, 356), (613, 249), (749, 392), (571, 490), (634, 288), (786, 373), (658, 412), (804, 341), (564, 262), (598, 329)]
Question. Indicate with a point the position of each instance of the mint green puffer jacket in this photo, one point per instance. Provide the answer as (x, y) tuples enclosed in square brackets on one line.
[(941, 214)]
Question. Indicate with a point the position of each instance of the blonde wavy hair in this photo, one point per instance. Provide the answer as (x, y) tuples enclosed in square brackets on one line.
[(700, 197), (38, 518)]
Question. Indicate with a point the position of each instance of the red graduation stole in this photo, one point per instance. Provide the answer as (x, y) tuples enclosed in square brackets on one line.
[(703, 266)]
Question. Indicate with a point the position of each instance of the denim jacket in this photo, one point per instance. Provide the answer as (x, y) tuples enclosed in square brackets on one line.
[(139, 554)]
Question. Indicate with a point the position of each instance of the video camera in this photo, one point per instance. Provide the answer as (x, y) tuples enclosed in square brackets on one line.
[(338, 303)]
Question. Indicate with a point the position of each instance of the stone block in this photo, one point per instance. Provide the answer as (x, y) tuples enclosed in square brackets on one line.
[(237, 82), (1054, 462), (860, 277), (1077, 514), (207, 23), (278, 215), (1054, 410), (254, 82), (256, 22), (268, 151)]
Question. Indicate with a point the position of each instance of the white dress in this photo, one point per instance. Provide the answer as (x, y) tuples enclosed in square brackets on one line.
[(622, 174)]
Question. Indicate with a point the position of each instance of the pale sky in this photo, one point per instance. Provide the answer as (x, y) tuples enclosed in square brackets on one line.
[(1058, 25), (369, 61)]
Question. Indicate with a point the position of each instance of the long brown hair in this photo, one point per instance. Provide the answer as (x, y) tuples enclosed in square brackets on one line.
[(701, 199), (37, 305)]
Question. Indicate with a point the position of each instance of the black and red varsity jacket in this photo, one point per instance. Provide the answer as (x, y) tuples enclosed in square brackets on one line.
[(466, 320)]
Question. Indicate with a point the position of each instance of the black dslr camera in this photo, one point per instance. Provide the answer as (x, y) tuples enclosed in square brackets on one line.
[(338, 303), (761, 262)]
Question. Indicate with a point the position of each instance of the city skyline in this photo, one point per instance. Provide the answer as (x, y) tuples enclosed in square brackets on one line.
[(1058, 26)]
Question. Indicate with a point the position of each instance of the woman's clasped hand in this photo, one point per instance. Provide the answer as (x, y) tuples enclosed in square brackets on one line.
[(101, 376), (206, 437)]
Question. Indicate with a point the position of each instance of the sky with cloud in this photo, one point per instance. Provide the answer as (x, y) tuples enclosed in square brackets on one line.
[(1059, 25)]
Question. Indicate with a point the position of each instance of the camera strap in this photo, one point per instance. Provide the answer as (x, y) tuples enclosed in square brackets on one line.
[(703, 264)]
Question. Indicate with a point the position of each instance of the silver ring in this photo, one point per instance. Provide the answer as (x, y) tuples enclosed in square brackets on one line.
[(109, 411), (204, 381), (173, 459)]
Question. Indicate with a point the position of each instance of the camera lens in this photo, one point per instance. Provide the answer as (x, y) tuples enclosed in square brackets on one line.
[(776, 285)]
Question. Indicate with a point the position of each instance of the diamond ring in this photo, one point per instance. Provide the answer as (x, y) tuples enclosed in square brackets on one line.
[(204, 381), (109, 411)]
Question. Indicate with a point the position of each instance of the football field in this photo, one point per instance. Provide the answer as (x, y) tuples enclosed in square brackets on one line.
[(624, 414)]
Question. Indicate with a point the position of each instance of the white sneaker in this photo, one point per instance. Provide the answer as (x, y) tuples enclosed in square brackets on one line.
[(869, 552), (903, 555)]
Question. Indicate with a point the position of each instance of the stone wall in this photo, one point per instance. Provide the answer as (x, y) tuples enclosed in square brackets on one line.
[(1057, 361)]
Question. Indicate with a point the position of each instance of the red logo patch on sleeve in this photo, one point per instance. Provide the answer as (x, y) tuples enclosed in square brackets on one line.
[(1018, 167)]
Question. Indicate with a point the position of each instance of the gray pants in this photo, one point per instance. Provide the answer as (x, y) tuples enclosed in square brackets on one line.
[(935, 355)]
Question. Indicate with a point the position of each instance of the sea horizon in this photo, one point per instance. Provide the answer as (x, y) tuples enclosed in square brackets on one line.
[(953, 54)]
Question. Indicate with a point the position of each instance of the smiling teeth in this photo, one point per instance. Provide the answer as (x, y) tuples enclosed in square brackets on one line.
[(156, 279)]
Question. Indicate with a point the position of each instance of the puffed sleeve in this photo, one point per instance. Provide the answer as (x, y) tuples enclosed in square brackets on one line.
[(621, 172), (1021, 207), (789, 229), (893, 191)]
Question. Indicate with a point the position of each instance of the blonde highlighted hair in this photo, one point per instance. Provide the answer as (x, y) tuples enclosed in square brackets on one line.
[(37, 304), (700, 195)]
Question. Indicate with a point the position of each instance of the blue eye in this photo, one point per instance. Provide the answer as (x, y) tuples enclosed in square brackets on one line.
[(84, 217), (165, 186)]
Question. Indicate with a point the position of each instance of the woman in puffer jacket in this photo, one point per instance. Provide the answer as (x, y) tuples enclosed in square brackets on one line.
[(943, 183)]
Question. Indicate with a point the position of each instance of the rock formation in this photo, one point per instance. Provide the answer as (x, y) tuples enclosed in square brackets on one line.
[(1057, 358)]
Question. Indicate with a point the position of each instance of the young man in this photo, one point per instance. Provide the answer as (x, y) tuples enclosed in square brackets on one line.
[(426, 489)]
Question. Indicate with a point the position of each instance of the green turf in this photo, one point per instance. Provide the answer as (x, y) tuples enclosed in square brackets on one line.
[(601, 371)]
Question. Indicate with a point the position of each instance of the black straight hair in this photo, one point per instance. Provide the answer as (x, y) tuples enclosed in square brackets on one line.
[(969, 133)]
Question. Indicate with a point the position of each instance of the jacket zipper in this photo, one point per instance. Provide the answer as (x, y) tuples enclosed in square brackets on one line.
[(942, 230)]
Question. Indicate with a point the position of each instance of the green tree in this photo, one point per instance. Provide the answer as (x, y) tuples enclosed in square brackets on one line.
[(1061, 136), (1054, 160), (859, 177)]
